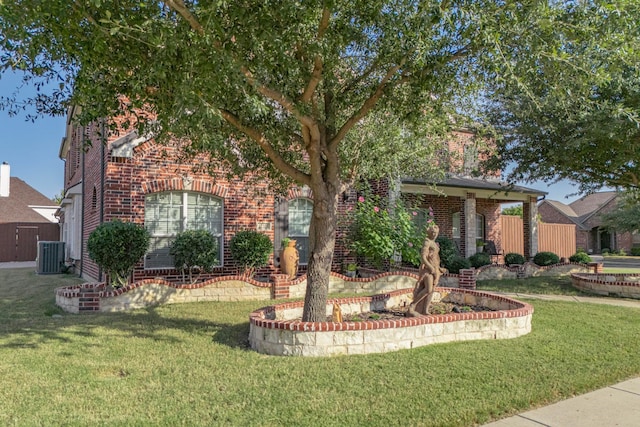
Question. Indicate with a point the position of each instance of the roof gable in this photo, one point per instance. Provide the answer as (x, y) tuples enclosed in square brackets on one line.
[(16, 207)]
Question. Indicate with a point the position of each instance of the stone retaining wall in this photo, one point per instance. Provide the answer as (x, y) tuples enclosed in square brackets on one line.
[(275, 330), (92, 297), (620, 285), (529, 269)]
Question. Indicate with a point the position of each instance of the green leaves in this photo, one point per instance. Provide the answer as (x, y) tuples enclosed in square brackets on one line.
[(117, 247)]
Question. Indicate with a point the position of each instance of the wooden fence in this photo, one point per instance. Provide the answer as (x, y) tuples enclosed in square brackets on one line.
[(557, 238)]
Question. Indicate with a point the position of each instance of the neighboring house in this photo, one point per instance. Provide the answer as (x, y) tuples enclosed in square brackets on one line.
[(131, 178), (26, 217), (586, 213)]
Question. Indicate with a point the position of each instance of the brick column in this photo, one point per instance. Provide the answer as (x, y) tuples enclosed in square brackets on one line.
[(467, 278), (596, 266), (530, 227), (279, 286), (469, 225), (89, 300)]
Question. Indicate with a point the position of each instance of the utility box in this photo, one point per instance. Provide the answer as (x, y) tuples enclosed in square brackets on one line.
[(50, 257)]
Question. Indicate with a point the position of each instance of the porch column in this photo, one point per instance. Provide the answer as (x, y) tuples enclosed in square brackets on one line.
[(530, 227), (470, 225)]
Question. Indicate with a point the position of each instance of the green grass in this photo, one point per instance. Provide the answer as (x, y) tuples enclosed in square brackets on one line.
[(532, 285), (621, 270), (189, 365)]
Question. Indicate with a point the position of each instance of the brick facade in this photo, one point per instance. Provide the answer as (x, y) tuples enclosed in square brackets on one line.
[(590, 235), (115, 182)]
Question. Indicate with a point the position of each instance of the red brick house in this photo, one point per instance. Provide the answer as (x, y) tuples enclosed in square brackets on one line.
[(130, 177), (26, 217), (586, 213)]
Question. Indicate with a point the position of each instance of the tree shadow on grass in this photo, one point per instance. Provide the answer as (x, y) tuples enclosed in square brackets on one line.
[(97, 328)]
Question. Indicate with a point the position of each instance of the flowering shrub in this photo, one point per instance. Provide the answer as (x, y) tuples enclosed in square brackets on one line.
[(378, 232)]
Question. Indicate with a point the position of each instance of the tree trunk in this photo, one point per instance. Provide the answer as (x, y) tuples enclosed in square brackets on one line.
[(322, 241)]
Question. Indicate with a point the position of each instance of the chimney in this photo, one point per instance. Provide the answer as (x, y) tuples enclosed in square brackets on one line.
[(5, 177)]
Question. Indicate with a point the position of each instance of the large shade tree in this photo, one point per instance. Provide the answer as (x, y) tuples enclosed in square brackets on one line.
[(312, 92), (578, 118)]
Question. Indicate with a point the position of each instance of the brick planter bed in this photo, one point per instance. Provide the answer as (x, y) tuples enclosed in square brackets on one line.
[(620, 285), (274, 331)]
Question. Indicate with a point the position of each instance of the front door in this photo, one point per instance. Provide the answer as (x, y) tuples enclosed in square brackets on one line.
[(605, 241)]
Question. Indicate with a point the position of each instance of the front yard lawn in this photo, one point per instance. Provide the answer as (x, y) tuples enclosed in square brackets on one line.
[(532, 285), (189, 365)]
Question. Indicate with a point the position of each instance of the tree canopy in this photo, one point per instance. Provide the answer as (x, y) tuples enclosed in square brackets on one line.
[(578, 118), (316, 92)]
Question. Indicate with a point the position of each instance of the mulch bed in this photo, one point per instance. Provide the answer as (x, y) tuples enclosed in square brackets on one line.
[(399, 313)]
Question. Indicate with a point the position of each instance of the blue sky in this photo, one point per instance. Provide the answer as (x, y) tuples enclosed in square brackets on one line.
[(32, 151)]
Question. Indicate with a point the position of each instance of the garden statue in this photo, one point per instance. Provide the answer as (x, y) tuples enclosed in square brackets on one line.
[(428, 275)]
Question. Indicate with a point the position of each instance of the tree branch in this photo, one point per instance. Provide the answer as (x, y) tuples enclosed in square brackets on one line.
[(365, 108), (317, 63), (278, 97), (262, 141), (182, 10)]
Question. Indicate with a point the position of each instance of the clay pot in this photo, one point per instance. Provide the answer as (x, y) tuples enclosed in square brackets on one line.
[(289, 260)]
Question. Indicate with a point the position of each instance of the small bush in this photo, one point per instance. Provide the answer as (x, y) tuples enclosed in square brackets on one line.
[(622, 252), (448, 251), (580, 257), (250, 249), (635, 251), (194, 251), (514, 258), (479, 259), (117, 247), (546, 258), (457, 263)]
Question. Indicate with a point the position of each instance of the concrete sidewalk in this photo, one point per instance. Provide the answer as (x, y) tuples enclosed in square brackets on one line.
[(18, 264), (617, 405)]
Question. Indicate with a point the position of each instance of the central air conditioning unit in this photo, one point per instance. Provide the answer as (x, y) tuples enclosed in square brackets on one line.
[(50, 257)]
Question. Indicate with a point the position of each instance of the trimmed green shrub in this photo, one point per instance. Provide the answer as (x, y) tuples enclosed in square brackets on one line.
[(514, 258), (635, 251), (479, 259), (458, 263), (117, 247), (580, 257), (194, 251), (448, 251), (251, 250), (546, 258)]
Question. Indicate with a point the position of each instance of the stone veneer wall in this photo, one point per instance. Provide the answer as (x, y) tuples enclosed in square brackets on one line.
[(95, 297), (620, 285), (277, 330), (529, 269)]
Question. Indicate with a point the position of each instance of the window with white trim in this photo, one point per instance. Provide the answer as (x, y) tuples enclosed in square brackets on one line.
[(168, 213), (455, 221), (455, 225), (300, 211), (479, 227)]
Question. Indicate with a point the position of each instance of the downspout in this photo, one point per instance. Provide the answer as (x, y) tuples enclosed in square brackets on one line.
[(82, 222), (102, 179)]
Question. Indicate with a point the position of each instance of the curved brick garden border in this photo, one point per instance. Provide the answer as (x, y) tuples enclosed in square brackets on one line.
[(620, 285), (274, 330)]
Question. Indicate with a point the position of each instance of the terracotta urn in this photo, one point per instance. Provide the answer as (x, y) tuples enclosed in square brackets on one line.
[(289, 260)]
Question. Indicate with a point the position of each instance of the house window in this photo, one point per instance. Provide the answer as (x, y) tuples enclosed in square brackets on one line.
[(167, 214), (94, 199), (480, 226), (455, 225), (455, 220), (470, 159), (300, 211)]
